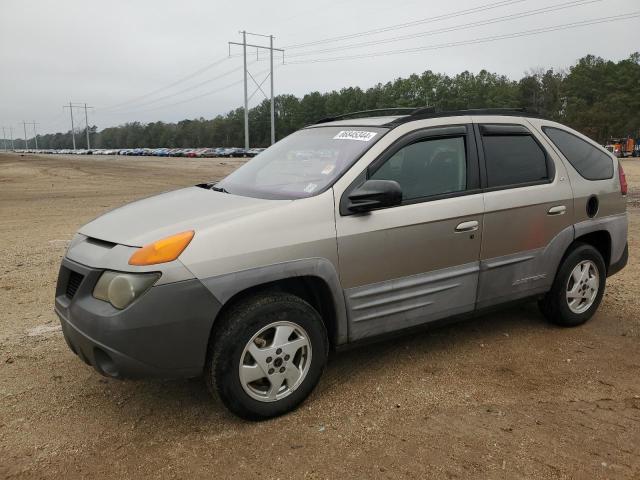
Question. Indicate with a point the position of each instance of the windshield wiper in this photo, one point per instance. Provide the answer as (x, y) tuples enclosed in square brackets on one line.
[(212, 186)]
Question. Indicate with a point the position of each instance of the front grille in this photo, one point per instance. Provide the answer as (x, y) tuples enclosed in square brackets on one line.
[(75, 279)]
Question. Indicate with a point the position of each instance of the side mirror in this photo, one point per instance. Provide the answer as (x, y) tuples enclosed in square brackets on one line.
[(374, 194)]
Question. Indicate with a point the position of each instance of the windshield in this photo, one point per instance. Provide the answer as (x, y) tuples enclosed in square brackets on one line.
[(302, 164)]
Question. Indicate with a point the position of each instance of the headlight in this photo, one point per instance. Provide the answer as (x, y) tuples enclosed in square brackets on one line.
[(120, 289)]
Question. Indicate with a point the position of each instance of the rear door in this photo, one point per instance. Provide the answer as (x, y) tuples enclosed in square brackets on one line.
[(528, 210), (418, 261)]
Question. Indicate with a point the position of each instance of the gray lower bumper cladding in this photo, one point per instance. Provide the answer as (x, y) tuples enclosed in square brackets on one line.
[(164, 333)]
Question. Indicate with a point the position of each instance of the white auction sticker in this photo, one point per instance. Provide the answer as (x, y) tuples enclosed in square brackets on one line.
[(359, 135)]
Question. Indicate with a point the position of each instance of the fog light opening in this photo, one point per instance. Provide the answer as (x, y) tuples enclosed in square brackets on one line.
[(104, 363)]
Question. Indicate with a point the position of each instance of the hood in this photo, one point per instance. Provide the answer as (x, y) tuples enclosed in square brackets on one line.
[(153, 218)]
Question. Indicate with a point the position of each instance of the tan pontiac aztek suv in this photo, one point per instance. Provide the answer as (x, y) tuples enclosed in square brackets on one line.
[(350, 228)]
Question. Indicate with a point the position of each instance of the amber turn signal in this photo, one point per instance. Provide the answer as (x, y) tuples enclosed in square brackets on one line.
[(162, 251)]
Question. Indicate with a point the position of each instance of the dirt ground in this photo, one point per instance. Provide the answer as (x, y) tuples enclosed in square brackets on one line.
[(502, 396)]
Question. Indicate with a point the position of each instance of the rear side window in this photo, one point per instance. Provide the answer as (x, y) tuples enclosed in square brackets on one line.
[(590, 162), (513, 160)]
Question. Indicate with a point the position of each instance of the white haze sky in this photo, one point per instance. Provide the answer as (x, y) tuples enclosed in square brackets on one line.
[(111, 53)]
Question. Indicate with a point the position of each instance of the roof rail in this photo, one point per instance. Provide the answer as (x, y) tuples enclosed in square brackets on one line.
[(376, 112), (515, 112), (409, 114)]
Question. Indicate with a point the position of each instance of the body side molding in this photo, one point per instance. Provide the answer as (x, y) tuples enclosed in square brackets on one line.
[(409, 301)]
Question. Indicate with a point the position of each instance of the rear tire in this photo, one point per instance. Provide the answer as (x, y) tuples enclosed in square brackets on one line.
[(577, 289), (266, 355)]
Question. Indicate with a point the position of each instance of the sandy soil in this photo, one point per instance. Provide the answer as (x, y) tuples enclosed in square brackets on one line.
[(502, 396)]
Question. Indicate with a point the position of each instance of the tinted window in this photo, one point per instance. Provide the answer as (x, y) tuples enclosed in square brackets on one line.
[(513, 160), (590, 162), (427, 168)]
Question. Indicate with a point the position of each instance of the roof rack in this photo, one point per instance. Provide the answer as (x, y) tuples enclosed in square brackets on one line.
[(409, 114), (515, 112), (377, 112)]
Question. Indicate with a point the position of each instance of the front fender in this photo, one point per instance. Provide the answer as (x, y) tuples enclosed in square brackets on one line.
[(224, 287)]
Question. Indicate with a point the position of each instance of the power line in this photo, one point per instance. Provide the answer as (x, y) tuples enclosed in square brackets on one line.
[(464, 26), (437, 18), (186, 100), (171, 85), (492, 38), (196, 97), (188, 89)]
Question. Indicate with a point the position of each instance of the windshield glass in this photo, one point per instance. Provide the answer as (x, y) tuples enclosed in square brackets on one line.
[(302, 164)]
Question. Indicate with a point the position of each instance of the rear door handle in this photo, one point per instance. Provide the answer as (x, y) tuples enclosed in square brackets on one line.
[(557, 210), (467, 226)]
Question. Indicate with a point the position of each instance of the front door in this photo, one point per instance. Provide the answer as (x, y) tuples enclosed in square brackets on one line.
[(418, 261)]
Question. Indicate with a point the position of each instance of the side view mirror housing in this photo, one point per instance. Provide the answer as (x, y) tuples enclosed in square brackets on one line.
[(374, 194)]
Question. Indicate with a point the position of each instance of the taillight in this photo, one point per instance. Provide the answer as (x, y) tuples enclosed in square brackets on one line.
[(623, 179)]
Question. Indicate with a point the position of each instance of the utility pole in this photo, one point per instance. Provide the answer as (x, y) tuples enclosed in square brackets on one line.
[(26, 144), (246, 99), (11, 134), (273, 109), (271, 49), (35, 133), (73, 133), (86, 119)]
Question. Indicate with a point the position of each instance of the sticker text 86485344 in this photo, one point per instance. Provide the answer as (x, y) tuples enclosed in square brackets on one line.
[(359, 135)]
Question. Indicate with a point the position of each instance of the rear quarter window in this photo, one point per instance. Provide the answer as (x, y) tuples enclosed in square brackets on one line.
[(589, 161)]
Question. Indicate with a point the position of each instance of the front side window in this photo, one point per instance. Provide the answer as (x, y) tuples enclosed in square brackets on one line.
[(302, 164), (427, 168), (513, 160), (590, 162)]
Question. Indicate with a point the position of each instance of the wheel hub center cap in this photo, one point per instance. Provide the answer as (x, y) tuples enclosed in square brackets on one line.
[(267, 372), (582, 286)]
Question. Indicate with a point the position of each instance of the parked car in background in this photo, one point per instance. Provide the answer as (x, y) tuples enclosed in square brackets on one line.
[(252, 152)]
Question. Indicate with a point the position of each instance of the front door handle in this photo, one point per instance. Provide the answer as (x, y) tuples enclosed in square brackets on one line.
[(557, 210), (467, 226)]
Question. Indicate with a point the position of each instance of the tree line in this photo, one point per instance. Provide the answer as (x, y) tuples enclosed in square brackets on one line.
[(597, 97)]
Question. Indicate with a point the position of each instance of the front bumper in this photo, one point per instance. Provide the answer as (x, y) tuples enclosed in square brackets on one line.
[(164, 333)]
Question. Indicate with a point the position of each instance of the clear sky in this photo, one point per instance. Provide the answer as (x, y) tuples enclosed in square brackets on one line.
[(120, 56)]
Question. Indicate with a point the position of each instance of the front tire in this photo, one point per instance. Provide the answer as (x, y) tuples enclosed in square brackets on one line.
[(266, 355), (577, 289)]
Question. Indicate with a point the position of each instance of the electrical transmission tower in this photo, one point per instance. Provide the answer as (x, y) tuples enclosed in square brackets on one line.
[(4, 138), (35, 133), (271, 49), (71, 106)]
